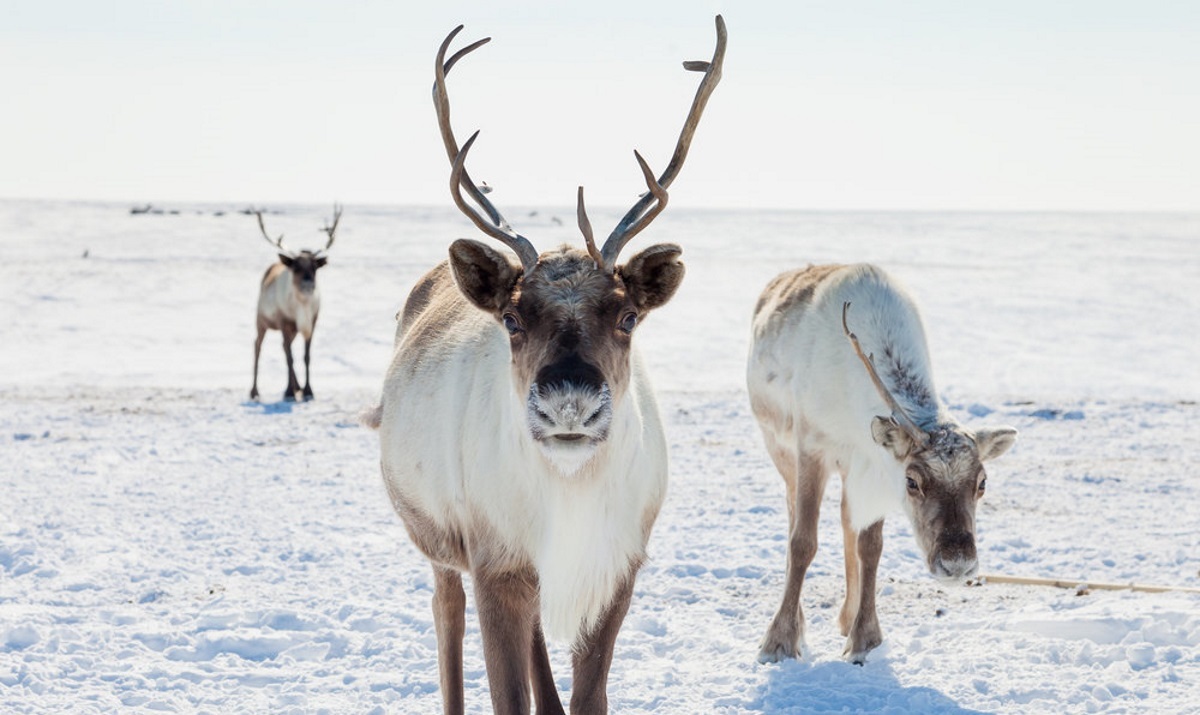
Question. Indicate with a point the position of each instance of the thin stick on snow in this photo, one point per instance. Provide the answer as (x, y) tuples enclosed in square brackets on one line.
[(1080, 584)]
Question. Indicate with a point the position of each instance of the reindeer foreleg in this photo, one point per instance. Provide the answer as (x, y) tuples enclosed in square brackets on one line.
[(289, 334), (864, 632), (308, 393), (449, 617), (507, 603), (593, 655), (545, 692)]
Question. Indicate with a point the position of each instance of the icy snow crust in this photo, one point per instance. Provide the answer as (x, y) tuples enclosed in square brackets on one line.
[(167, 545)]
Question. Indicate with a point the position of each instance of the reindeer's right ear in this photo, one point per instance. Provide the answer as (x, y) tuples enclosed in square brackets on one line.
[(484, 275), (286, 260), (653, 275), (891, 436)]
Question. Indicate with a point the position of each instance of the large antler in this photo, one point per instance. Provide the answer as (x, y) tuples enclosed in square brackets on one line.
[(331, 230), (642, 213), (278, 242), (494, 225), (899, 416)]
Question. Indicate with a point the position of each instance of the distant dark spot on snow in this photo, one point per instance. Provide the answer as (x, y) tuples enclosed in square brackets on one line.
[(978, 410)]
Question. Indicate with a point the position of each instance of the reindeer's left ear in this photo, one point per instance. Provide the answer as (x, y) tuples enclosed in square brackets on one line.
[(321, 261), (891, 436), (994, 441), (652, 275), (484, 275)]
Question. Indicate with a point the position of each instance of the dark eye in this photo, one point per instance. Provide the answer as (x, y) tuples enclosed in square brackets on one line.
[(913, 487), (511, 324), (627, 323), (982, 485)]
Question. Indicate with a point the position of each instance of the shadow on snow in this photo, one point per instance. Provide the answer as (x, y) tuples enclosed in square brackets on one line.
[(839, 687)]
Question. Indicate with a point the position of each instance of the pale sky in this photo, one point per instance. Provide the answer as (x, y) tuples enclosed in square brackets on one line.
[(957, 105)]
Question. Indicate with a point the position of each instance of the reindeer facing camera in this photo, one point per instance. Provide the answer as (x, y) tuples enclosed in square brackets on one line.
[(289, 301)]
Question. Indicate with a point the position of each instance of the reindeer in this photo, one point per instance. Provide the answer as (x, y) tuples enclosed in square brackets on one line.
[(520, 438), (291, 306), (888, 435)]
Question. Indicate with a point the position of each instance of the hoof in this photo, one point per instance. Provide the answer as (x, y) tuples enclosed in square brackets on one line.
[(775, 650), (857, 654), (289, 397)]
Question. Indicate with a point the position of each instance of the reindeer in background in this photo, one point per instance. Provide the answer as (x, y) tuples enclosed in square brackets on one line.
[(520, 439), (825, 405), (289, 302)]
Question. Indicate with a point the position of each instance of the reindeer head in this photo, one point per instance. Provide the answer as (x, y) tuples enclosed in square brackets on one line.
[(303, 264), (570, 326), (570, 315), (944, 480), (944, 476)]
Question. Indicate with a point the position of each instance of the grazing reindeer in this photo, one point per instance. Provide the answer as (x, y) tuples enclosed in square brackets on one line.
[(819, 401), (520, 438), (291, 306)]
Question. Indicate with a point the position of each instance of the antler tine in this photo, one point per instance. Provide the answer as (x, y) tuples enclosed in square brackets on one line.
[(712, 76), (518, 243), (331, 230), (277, 243), (899, 416), (586, 227), (441, 101), (615, 242)]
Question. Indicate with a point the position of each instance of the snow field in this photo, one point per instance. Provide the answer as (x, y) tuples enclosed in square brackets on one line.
[(168, 546)]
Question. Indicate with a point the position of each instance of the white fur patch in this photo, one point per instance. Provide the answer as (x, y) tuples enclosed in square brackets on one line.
[(569, 423)]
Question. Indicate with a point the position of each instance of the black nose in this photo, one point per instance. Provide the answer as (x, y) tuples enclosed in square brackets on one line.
[(569, 371), (958, 545)]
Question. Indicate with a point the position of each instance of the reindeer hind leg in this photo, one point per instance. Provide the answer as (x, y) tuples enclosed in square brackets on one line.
[(850, 545), (785, 636), (258, 341)]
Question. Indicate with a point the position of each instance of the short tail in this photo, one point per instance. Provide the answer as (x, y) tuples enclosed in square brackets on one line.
[(371, 416)]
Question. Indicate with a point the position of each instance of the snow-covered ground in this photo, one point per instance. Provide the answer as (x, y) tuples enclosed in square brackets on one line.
[(167, 545)]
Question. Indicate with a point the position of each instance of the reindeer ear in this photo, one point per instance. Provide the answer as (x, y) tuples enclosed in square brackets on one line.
[(994, 441), (484, 275), (891, 436), (652, 275), (321, 261), (286, 260)]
